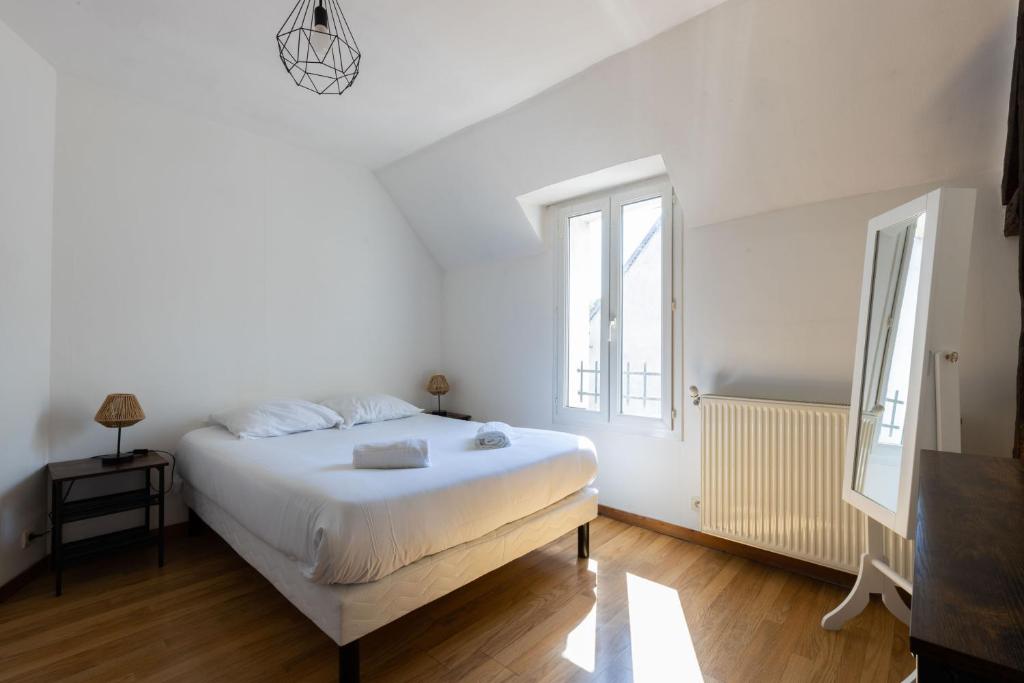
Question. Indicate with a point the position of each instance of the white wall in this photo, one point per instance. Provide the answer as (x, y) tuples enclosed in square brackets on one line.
[(770, 310), (199, 266), (754, 105), (26, 230), (784, 126), (184, 251)]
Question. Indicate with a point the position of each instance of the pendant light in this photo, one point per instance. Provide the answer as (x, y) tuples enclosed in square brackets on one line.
[(317, 47)]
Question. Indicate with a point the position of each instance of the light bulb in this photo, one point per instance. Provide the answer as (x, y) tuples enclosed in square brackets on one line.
[(321, 36)]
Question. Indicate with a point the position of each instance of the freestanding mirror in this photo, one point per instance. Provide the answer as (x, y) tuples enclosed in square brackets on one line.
[(905, 395), (883, 432)]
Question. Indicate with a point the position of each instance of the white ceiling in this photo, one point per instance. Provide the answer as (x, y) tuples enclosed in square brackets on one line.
[(429, 68)]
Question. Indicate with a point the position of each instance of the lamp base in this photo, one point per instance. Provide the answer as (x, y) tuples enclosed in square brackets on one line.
[(116, 458)]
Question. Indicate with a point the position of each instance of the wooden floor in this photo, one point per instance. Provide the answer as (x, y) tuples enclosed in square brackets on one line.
[(645, 607)]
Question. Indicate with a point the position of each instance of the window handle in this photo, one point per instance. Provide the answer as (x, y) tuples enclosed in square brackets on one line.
[(613, 326)]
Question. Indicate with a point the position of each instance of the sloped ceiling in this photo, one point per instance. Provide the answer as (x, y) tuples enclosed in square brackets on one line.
[(754, 105), (428, 68)]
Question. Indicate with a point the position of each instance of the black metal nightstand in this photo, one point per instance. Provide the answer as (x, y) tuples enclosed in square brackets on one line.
[(65, 511), (449, 414)]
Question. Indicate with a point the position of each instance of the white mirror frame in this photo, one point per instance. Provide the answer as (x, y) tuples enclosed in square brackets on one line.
[(949, 224)]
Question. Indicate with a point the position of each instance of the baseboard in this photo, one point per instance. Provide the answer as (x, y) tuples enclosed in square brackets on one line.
[(815, 571), (39, 568)]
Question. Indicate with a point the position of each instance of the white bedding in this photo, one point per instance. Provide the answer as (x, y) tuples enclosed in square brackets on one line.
[(301, 495)]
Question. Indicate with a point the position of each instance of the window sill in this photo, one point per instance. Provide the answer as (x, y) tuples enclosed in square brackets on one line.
[(657, 430)]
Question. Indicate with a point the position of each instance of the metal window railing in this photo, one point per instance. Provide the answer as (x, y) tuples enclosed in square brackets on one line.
[(644, 397), (583, 371), (645, 385), (893, 433)]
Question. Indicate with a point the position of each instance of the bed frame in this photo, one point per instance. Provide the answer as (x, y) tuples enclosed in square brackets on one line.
[(346, 613), (348, 654)]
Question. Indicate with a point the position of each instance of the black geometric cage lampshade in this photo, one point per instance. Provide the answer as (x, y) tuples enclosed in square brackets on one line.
[(317, 47)]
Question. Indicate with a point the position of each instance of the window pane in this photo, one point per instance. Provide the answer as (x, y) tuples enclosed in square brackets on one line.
[(897, 386), (583, 312), (641, 322)]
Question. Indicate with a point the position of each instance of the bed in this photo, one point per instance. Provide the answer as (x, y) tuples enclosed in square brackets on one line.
[(356, 549)]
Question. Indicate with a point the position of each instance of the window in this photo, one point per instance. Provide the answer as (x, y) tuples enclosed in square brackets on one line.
[(615, 309), (583, 309)]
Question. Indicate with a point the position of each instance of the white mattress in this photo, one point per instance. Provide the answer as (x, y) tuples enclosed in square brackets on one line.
[(300, 495), (348, 612)]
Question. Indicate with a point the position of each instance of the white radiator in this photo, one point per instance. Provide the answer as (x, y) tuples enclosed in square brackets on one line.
[(771, 477)]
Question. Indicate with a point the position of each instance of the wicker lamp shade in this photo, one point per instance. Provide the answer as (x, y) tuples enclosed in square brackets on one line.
[(120, 410), (438, 385)]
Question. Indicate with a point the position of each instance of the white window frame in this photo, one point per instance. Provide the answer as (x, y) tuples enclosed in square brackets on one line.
[(609, 416)]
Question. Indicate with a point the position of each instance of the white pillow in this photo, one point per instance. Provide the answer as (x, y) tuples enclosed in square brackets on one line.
[(277, 418), (359, 408)]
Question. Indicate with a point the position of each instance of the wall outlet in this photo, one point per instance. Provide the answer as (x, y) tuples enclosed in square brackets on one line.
[(26, 538), (695, 503)]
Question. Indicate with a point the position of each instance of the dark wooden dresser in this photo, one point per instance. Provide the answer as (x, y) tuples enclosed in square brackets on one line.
[(967, 621)]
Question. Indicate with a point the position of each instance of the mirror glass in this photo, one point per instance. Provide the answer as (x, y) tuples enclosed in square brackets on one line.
[(885, 388)]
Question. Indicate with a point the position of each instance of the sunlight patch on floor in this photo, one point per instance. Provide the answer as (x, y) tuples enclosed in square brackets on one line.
[(581, 645), (659, 637)]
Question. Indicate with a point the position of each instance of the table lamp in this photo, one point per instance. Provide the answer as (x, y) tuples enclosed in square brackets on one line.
[(119, 410), (438, 386)]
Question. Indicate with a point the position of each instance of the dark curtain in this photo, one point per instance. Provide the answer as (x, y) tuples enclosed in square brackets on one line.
[(1013, 171)]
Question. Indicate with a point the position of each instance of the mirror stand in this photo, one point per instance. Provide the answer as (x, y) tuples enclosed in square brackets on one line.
[(875, 576)]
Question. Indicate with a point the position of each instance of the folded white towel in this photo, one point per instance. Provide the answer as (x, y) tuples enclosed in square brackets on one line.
[(494, 435), (389, 455)]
